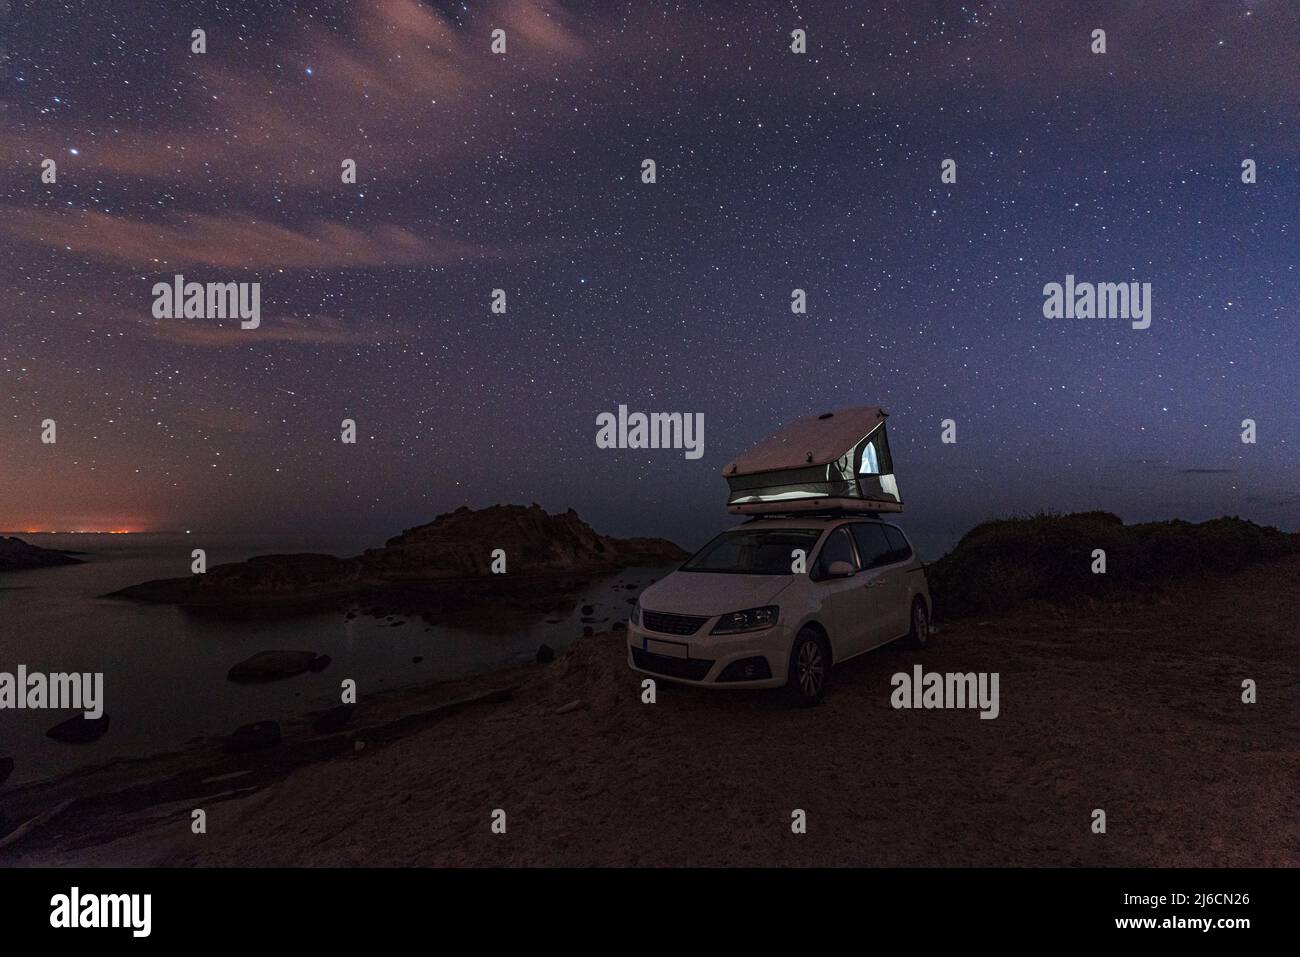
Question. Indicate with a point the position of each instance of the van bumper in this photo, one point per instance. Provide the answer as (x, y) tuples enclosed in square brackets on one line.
[(757, 659)]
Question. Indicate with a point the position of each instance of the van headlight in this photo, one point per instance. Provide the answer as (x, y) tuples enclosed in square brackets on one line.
[(636, 612), (751, 619)]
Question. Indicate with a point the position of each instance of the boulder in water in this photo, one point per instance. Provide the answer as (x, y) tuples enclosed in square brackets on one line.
[(275, 665)]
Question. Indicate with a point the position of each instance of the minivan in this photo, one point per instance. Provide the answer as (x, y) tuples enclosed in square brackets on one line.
[(778, 601)]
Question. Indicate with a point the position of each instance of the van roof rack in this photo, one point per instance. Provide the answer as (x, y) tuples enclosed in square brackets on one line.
[(825, 515)]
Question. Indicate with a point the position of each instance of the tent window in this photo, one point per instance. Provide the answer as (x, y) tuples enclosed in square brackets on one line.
[(870, 463), (873, 454)]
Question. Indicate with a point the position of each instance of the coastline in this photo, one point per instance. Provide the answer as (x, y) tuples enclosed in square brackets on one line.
[(589, 774)]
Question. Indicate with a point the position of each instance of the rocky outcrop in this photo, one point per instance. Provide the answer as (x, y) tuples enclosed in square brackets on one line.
[(460, 544), (293, 581), (455, 548), (15, 554), (276, 665)]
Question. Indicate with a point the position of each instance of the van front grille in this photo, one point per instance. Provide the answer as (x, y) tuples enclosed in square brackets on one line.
[(671, 624)]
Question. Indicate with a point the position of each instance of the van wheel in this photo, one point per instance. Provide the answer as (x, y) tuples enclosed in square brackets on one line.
[(919, 636), (810, 668)]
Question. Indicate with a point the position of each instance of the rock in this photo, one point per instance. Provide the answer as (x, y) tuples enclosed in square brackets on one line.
[(16, 554), (284, 581), (545, 655), (587, 609), (571, 706), (254, 737), (79, 730), (275, 665), (397, 624), (588, 618), (6, 769), (445, 550), (333, 720)]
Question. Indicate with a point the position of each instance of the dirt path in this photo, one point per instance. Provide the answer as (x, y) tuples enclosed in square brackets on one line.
[(1136, 710)]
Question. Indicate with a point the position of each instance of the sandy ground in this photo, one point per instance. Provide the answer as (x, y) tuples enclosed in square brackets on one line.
[(1134, 709)]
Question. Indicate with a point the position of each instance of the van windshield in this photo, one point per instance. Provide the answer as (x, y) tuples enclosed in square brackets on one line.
[(755, 551)]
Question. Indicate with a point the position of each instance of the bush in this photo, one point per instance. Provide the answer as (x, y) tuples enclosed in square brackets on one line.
[(1048, 557)]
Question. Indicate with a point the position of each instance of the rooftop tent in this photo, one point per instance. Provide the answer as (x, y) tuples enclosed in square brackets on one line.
[(836, 460)]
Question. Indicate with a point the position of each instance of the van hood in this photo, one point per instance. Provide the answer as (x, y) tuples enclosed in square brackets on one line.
[(710, 593)]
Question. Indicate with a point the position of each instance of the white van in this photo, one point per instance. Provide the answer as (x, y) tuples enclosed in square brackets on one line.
[(813, 579), (739, 615)]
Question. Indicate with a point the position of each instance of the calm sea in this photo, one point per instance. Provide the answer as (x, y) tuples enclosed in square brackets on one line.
[(165, 670)]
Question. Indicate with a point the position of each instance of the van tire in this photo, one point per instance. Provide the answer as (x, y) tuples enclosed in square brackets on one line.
[(810, 668)]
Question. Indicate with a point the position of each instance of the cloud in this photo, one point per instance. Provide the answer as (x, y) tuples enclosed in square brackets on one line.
[(409, 91), (233, 241), (404, 89), (325, 331), (108, 312)]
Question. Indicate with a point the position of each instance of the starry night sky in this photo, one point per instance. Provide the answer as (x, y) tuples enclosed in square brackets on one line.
[(522, 172)]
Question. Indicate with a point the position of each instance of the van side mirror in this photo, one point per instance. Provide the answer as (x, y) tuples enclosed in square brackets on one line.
[(840, 570)]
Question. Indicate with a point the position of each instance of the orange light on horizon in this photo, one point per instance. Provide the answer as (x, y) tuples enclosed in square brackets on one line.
[(82, 531)]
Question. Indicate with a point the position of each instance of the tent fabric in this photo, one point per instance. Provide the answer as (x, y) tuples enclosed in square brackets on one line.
[(834, 461), (815, 440)]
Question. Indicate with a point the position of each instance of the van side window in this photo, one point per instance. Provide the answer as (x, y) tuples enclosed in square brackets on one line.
[(872, 544), (838, 548), (898, 545)]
